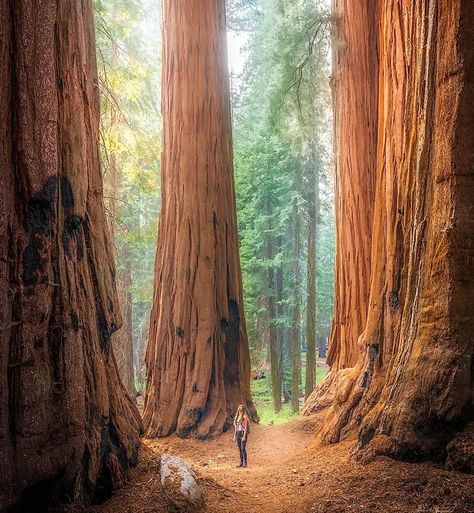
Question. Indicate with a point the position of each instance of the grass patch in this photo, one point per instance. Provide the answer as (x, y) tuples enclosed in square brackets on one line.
[(267, 414), (262, 396)]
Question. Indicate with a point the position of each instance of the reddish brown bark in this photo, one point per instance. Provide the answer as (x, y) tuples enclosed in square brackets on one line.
[(67, 427), (198, 360), (355, 101), (412, 388), (355, 38)]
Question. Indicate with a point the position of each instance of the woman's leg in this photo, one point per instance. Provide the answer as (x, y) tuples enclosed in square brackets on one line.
[(243, 452), (239, 445)]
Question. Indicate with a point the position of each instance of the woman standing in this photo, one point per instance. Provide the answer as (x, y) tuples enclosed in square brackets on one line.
[(241, 430)]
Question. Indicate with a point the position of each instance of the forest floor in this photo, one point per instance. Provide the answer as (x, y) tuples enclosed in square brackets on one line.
[(287, 473)]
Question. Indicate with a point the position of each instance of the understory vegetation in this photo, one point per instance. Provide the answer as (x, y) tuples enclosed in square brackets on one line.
[(262, 396)]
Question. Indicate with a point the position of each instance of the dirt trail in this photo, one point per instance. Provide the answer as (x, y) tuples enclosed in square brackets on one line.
[(273, 453), (287, 473)]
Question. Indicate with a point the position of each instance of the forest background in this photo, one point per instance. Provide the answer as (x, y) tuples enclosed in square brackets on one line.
[(279, 60)]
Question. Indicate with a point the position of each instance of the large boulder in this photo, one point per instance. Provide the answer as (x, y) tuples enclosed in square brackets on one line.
[(180, 483)]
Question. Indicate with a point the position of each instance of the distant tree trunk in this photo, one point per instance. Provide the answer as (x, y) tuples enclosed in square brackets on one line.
[(260, 328), (355, 139), (198, 361), (275, 352), (412, 389), (279, 310), (122, 339), (355, 76), (296, 317), (67, 428), (313, 215), (322, 342), (140, 341)]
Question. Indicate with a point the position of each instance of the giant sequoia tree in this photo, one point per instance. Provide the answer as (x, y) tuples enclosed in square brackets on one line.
[(198, 362), (355, 143), (67, 427), (409, 388)]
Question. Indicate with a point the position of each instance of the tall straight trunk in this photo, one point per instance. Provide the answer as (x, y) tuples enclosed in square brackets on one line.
[(279, 308), (322, 342), (198, 361), (296, 316), (275, 353), (313, 216), (261, 330), (355, 74), (121, 340), (139, 342), (355, 47), (411, 392), (67, 428)]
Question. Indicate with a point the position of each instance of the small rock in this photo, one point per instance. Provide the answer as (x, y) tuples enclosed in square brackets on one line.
[(294, 471), (180, 482)]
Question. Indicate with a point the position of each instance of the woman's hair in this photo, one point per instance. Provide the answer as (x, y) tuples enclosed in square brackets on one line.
[(241, 414)]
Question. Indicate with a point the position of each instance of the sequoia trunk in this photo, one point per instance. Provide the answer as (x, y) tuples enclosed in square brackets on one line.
[(355, 139), (411, 390), (67, 428), (198, 361)]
